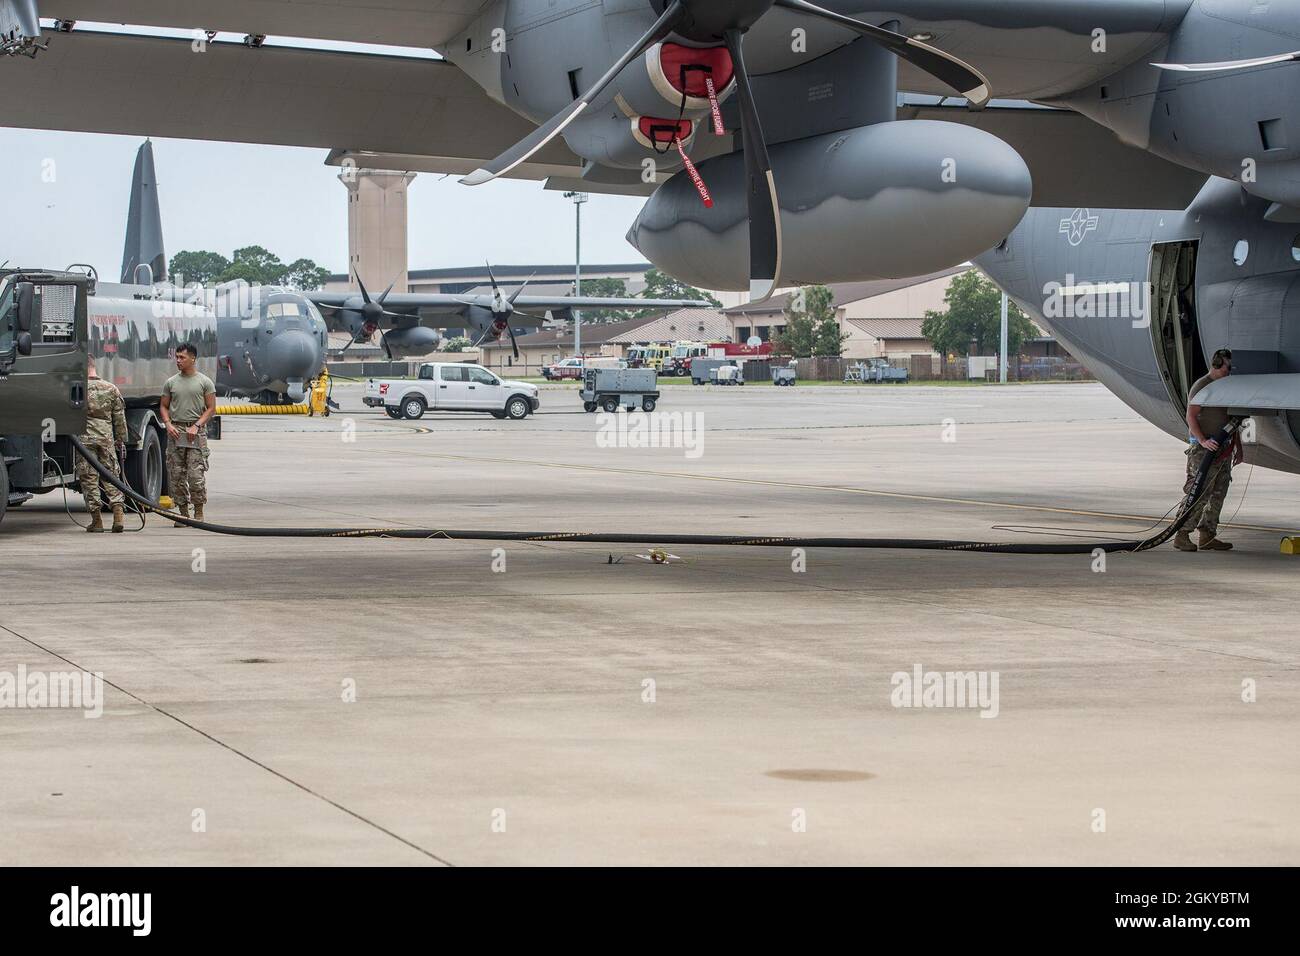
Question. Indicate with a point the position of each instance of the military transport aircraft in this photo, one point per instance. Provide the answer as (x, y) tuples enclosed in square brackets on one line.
[(1144, 297), (409, 323), (1100, 104), (272, 342)]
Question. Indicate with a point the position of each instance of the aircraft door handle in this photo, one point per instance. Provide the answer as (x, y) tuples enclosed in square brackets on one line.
[(77, 395)]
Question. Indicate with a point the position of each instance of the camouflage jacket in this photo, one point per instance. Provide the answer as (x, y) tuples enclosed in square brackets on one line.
[(105, 412)]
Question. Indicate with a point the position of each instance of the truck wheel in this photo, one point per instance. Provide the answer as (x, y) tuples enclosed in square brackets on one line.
[(647, 405), (144, 468), (394, 413), (413, 407), (589, 406), (610, 405), (517, 408)]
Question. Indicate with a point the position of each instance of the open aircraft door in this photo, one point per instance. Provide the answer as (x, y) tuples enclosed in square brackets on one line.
[(1175, 325)]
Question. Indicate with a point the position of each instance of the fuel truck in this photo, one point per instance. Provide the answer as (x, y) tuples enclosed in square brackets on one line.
[(49, 323)]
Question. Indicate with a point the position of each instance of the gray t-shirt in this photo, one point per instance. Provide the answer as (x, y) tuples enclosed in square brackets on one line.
[(188, 394), (1211, 420)]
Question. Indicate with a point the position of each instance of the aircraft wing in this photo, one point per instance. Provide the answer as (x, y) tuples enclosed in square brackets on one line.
[(405, 112), (1074, 161), (412, 309), (351, 102), (410, 23)]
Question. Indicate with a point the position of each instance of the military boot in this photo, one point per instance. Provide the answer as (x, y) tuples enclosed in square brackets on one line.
[(184, 511), (96, 522), (119, 519), (1210, 543), (1183, 541), (198, 512)]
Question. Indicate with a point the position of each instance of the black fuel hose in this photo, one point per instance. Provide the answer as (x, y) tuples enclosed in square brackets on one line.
[(658, 538)]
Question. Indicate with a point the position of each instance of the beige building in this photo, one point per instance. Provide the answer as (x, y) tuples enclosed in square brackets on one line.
[(548, 346), (879, 318)]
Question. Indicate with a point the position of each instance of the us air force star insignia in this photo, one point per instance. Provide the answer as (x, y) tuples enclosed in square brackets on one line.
[(1079, 224)]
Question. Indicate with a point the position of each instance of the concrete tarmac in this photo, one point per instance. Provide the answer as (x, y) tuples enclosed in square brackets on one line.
[(294, 701)]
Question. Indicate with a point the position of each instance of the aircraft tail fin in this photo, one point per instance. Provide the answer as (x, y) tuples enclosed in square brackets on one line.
[(144, 236)]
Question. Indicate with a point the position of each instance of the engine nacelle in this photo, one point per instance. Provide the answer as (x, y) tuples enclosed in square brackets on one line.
[(663, 99), (877, 202), (517, 62), (627, 142), (405, 343)]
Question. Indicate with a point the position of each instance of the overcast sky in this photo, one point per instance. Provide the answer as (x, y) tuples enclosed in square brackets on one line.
[(219, 196)]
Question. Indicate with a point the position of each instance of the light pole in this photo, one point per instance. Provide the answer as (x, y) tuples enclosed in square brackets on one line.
[(578, 200), (1002, 377)]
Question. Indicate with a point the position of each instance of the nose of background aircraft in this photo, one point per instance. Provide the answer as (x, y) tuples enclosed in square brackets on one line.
[(294, 355)]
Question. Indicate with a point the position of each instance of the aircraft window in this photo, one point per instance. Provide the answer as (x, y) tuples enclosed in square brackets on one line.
[(1295, 249), (453, 373), (1241, 253), (481, 377)]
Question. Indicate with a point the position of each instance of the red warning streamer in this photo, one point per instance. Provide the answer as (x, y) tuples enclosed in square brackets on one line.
[(694, 173), (718, 128)]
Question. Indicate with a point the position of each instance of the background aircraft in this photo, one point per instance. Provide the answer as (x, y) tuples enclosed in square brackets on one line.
[(272, 342), (410, 323)]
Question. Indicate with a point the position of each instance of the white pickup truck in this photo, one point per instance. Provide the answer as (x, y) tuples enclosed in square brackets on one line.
[(452, 387)]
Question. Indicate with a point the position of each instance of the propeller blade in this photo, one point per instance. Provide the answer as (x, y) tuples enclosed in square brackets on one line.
[(493, 278), (365, 296), (553, 127), (381, 299), (513, 344), (383, 340), (520, 291), (1229, 64), (764, 209), (945, 67)]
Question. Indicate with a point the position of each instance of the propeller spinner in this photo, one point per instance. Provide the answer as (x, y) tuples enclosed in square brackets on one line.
[(502, 310), (364, 321)]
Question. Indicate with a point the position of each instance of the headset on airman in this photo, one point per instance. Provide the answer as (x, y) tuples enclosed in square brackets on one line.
[(1221, 358)]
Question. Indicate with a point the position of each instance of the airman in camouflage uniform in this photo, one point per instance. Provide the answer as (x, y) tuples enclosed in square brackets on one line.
[(105, 431), (1204, 424), (188, 404)]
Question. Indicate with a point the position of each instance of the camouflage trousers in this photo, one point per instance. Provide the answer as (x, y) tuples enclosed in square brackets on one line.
[(186, 473), (1205, 515), (106, 452)]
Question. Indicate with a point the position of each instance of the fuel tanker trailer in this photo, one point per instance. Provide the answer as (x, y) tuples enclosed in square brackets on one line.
[(49, 323)]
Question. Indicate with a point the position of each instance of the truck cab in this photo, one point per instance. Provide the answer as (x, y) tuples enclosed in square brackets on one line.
[(452, 387), (42, 379)]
